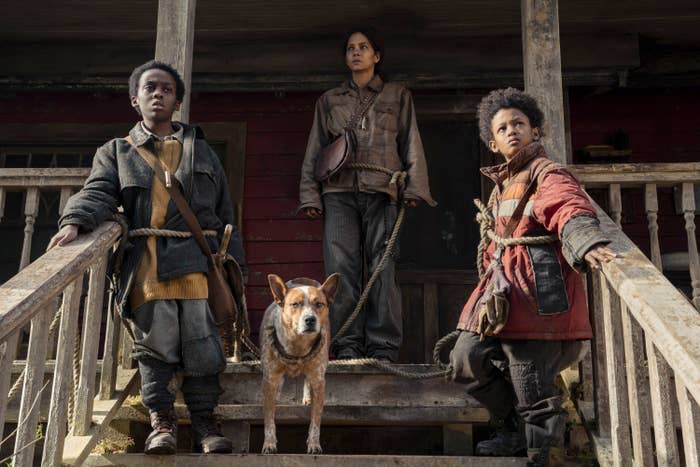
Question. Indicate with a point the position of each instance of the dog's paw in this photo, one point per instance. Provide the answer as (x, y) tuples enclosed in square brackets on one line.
[(314, 449), (269, 448)]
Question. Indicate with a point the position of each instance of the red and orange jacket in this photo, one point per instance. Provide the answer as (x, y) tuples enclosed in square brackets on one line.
[(547, 299)]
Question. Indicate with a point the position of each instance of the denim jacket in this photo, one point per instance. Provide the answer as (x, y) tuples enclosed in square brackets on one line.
[(121, 177)]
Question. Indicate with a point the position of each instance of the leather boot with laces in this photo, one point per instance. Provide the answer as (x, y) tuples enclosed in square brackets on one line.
[(509, 440), (163, 438), (206, 435)]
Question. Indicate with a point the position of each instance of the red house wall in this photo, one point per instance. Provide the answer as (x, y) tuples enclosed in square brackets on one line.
[(277, 239), (662, 127)]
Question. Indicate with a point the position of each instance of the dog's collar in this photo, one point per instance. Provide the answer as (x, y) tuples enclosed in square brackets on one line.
[(315, 348)]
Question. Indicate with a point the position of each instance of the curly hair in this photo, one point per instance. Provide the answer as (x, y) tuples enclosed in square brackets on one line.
[(509, 98), (155, 64)]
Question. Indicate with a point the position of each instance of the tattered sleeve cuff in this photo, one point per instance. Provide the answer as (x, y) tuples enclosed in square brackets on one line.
[(579, 235)]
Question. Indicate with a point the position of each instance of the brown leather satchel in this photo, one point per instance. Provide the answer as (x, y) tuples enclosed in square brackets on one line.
[(335, 155), (224, 277)]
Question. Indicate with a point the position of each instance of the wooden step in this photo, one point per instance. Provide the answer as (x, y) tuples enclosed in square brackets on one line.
[(297, 460), (332, 414), (355, 395), (351, 385)]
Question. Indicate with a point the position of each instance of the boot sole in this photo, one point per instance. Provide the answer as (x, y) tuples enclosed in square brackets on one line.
[(160, 450), (221, 448)]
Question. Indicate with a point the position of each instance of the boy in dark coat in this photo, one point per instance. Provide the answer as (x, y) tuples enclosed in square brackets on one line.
[(162, 287), (548, 317)]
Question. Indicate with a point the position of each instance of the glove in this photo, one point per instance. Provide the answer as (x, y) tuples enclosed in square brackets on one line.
[(494, 307)]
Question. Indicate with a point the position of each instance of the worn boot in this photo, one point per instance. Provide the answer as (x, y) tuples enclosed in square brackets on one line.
[(508, 440), (206, 435), (163, 438)]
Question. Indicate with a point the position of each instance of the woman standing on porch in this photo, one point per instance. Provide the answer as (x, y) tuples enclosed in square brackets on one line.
[(359, 205)]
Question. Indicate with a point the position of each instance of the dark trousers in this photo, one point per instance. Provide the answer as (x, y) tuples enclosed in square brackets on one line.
[(531, 366), (356, 229), (178, 335)]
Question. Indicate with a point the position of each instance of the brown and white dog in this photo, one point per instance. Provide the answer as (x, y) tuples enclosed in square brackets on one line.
[(294, 337)]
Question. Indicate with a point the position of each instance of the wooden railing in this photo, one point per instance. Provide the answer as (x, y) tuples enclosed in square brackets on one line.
[(650, 177), (33, 182), (645, 356), (646, 362), (75, 418), (646, 351)]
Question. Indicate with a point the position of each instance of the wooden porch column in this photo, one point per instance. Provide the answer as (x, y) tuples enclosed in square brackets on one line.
[(542, 69), (174, 43)]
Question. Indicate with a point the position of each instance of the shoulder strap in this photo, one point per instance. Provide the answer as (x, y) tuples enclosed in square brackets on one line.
[(174, 188), (520, 208), (362, 109)]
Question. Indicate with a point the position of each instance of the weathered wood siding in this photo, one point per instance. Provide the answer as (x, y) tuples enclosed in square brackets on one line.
[(660, 129), (660, 126)]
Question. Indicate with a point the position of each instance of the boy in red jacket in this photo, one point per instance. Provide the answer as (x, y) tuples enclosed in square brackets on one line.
[(547, 320)]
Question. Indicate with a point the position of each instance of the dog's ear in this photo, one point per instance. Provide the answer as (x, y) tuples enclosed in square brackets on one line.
[(330, 287), (278, 288)]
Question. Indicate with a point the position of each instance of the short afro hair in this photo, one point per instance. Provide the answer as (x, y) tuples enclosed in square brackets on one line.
[(509, 98), (155, 64)]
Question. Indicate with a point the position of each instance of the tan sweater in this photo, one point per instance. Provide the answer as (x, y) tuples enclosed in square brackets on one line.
[(147, 287)]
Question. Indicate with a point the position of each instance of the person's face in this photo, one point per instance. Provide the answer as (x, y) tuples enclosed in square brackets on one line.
[(359, 54), (511, 132), (156, 97)]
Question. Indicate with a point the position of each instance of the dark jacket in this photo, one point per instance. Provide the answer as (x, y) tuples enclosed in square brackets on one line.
[(390, 138), (121, 177), (547, 298)]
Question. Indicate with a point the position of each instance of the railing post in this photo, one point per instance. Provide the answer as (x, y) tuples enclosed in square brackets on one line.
[(615, 198), (31, 210), (598, 357), (615, 364), (91, 338), (637, 384), (110, 356), (8, 351), (63, 376), (688, 203), (662, 407), (32, 390), (651, 204), (66, 193), (690, 425)]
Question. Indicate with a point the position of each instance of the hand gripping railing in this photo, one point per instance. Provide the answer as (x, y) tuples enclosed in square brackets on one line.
[(646, 362), (32, 296)]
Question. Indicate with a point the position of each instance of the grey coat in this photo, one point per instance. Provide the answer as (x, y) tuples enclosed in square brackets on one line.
[(121, 177)]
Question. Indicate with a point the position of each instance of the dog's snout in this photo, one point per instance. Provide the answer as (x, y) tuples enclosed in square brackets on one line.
[(310, 320)]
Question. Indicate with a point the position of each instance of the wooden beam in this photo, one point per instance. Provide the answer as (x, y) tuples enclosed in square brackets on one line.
[(542, 70), (175, 42)]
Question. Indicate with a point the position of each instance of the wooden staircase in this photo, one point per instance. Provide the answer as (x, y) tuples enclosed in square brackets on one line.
[(360, 401), (297, 460)]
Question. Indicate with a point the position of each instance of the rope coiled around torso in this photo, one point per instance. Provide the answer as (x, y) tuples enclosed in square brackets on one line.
[(487, 233)]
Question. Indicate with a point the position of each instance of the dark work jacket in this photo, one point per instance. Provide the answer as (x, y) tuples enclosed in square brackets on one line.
[(121, 177)]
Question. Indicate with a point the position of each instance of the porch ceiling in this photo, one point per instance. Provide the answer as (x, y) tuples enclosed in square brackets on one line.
[(672, 22)]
